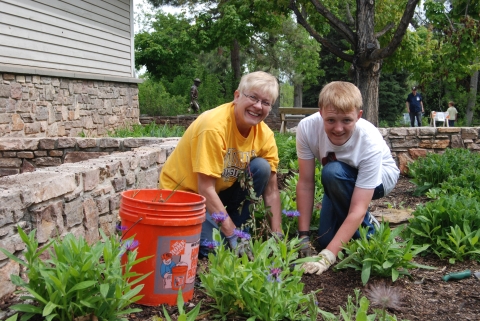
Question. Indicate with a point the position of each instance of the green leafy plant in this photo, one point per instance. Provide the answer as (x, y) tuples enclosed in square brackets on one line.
[(78, 279), (380, 254), (150, 130), (356, 309), (433, 169), (182, 314), (288, 198), (266, 288), (450, 226)]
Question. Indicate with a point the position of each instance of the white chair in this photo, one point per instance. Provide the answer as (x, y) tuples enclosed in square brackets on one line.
[(439, 116)]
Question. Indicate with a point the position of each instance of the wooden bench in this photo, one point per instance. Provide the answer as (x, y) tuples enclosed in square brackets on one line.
[(286, 112)]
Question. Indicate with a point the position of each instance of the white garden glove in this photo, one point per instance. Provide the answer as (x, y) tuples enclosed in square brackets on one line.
[(326, 259)]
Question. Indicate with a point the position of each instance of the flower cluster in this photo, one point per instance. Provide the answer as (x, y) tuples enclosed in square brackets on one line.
[(211, 245), (291, 214), (219, 218), (241, 234), (274, 275), (128, 246)]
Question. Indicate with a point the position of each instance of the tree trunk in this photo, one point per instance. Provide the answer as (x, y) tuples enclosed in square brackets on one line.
[(472, 97), (297, 95), (367, 71), (235, 61)]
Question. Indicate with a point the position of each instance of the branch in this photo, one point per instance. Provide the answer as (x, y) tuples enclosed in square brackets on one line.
[(350, 19), (336, 23), (399, 33), (385, 30), (331, 47)]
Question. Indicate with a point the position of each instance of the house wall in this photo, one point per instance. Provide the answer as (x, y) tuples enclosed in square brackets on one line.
[(44, 106), (69, 38)]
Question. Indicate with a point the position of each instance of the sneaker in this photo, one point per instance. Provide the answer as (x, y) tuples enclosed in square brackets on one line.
[(372, 220)]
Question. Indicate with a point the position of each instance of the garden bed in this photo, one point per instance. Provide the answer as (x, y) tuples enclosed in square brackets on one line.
[(425, 296)]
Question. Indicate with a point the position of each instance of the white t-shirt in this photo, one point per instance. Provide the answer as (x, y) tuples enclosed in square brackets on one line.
[(366, 150)]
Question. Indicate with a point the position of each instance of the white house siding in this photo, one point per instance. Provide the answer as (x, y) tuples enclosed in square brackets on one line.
[(73, 36)]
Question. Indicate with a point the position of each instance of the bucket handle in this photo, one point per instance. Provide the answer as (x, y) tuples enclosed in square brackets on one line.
[(126, 232)]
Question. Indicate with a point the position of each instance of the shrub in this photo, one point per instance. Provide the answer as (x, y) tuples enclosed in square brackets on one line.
[(78, 279), (380, 254), (449, 225), (268, 287), (432, 170)]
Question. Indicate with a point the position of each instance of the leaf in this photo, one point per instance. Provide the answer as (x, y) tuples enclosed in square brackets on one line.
[(26, 308), (366, 272), (49, 308), (81, 286)]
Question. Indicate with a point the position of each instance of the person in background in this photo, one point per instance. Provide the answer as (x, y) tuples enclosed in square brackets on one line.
[(194, 106), (357, 167), (221, 144), (452, 114), (414, 105)]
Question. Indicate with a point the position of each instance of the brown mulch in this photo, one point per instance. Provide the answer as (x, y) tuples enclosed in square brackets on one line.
[(424, 296)]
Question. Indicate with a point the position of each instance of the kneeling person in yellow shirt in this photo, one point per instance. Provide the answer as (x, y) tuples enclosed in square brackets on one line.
[(219, 145)]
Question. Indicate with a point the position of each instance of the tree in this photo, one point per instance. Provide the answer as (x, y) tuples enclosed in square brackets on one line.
[(456, 58), (168, 48), (365, 54)]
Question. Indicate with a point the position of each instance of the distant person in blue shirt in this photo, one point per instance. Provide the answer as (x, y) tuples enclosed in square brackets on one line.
[(414, 104)]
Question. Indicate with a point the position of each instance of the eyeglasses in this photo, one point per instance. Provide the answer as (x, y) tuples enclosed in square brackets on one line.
[(255, 100)]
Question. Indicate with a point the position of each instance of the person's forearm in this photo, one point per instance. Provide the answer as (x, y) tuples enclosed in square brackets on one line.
[(271, 197), (215, 205), (305, 206), (345, 232)]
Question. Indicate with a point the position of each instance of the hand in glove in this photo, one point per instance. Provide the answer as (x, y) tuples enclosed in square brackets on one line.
[(326, 259), (305, 247), (240, 248)]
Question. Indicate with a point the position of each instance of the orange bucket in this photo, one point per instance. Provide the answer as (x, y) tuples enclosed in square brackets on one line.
[(168, 229)]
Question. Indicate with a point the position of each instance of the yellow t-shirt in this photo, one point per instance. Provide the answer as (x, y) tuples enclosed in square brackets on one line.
[(212, 145)]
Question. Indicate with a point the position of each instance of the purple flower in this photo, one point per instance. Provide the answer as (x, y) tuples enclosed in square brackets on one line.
[(274, 275), (130, 245), (242, 234), (291, 214), (219, 217), (211, 245), (121, 228)]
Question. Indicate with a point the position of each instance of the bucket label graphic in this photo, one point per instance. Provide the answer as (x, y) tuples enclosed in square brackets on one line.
[(176, 266)]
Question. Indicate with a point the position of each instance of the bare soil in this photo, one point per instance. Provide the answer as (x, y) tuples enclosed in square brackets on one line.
[(424, 296)]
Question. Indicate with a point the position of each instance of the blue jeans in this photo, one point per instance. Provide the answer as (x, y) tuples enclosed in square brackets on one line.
[(233, 196), (418, 116), (338, 180)]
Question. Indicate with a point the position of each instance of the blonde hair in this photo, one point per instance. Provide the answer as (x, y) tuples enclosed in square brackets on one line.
[(451, 103), (340, 95), (262, 81)]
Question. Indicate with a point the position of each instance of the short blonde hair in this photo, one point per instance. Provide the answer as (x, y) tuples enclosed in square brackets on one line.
[(340, 95), (262, 81), (451, 103)]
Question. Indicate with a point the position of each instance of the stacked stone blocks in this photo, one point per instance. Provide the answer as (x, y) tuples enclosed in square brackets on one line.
[(39, 106)]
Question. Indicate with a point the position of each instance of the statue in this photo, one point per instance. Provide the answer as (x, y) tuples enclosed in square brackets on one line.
[(194, 96)]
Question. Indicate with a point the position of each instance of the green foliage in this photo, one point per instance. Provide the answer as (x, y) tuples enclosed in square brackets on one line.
[(357, 309), (433, 169), (78, 279), (267, 288), (150, 130), (288, 198), (449, 225), (182, 315), (287, 150), (166, 49), (380, 254), (154, 100), (391, 98)]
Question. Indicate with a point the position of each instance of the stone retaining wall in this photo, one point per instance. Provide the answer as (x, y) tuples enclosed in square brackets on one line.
[(409, 143), (78, 198), (38, 106), (20, 155)]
